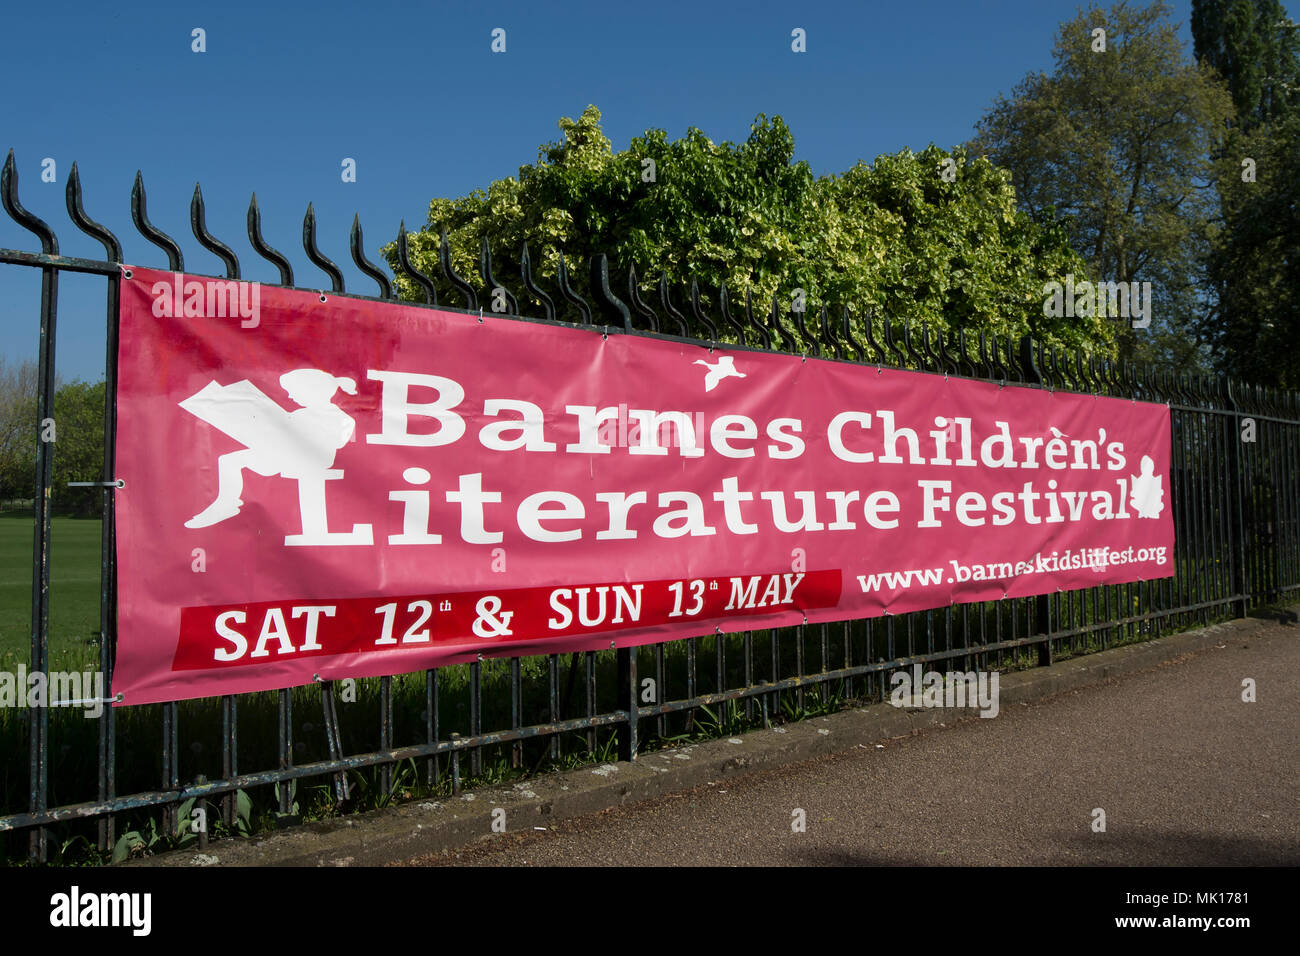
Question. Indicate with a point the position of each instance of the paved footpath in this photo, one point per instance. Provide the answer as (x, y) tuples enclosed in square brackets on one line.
[(1186, 772)]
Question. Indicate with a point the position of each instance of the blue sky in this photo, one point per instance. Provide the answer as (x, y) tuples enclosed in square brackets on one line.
[(413, 93)]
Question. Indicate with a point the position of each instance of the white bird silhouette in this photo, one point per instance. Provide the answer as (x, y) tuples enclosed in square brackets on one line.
[(725, 368)]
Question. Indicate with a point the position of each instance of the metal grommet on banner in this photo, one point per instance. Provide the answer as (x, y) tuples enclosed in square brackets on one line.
[(879, 370), (717, 628), (322, 297), (613, 644), (316, 678), (480, 657), (480, 316), (805, 618), (805, 358), (126, 273)]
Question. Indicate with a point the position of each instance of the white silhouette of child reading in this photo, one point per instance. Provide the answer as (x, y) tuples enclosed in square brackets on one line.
[(300, 444), (1147, 490)]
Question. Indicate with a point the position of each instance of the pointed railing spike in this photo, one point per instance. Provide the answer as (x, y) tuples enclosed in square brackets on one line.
[(683, 329), (485, 272), (611, 304), (526, 271), (199, 226), (356, 243), (263, 249), (14, 207), (697, 313), (828, 332), (461, 286), (764, 336), (77, 213), (140, 217), (787, 337), (638, 304), (846, 329), (315, 255), (724, 305), (808, 341), (404, 260), (570, 296)]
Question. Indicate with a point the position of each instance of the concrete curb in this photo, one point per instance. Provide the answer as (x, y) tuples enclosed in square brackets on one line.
[(418, 829)]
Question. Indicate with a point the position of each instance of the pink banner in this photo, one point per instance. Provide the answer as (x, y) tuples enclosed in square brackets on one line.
[(323, 487)]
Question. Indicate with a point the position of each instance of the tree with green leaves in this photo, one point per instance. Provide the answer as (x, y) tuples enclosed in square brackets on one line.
[(1114, 146), (1253, 46), (1254, 265), (77, 434), (18, 429), (79, 446), (933, 238)]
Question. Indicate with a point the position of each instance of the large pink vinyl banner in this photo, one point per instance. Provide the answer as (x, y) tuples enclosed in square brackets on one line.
[(319, 487)]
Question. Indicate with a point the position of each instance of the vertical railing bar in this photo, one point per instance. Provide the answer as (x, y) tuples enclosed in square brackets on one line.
[(105, 744), (690, 682), (591, 698), (553, 680), (38, 743), (430, 725), (661, 690), (173, 763), (107, 762), (773, 704), (166, 763), (625, 663), (386, 732), (1294, 471), (333, 738), (516, 709), (1205, 509), (824, 689), (476, 716), (285, 714), (800, 634), (749, 674), (719, 654), (1281, 509), (227, 799)]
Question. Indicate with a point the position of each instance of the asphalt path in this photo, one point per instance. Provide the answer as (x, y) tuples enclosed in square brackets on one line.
[(1186, 772)]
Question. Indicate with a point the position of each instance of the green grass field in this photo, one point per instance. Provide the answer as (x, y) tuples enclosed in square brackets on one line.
[(74, 590)]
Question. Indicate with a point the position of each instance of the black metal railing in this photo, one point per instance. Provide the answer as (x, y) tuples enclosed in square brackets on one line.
[(1236, 508)]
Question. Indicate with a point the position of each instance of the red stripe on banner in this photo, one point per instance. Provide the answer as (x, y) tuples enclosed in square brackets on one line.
[(248, 634)]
